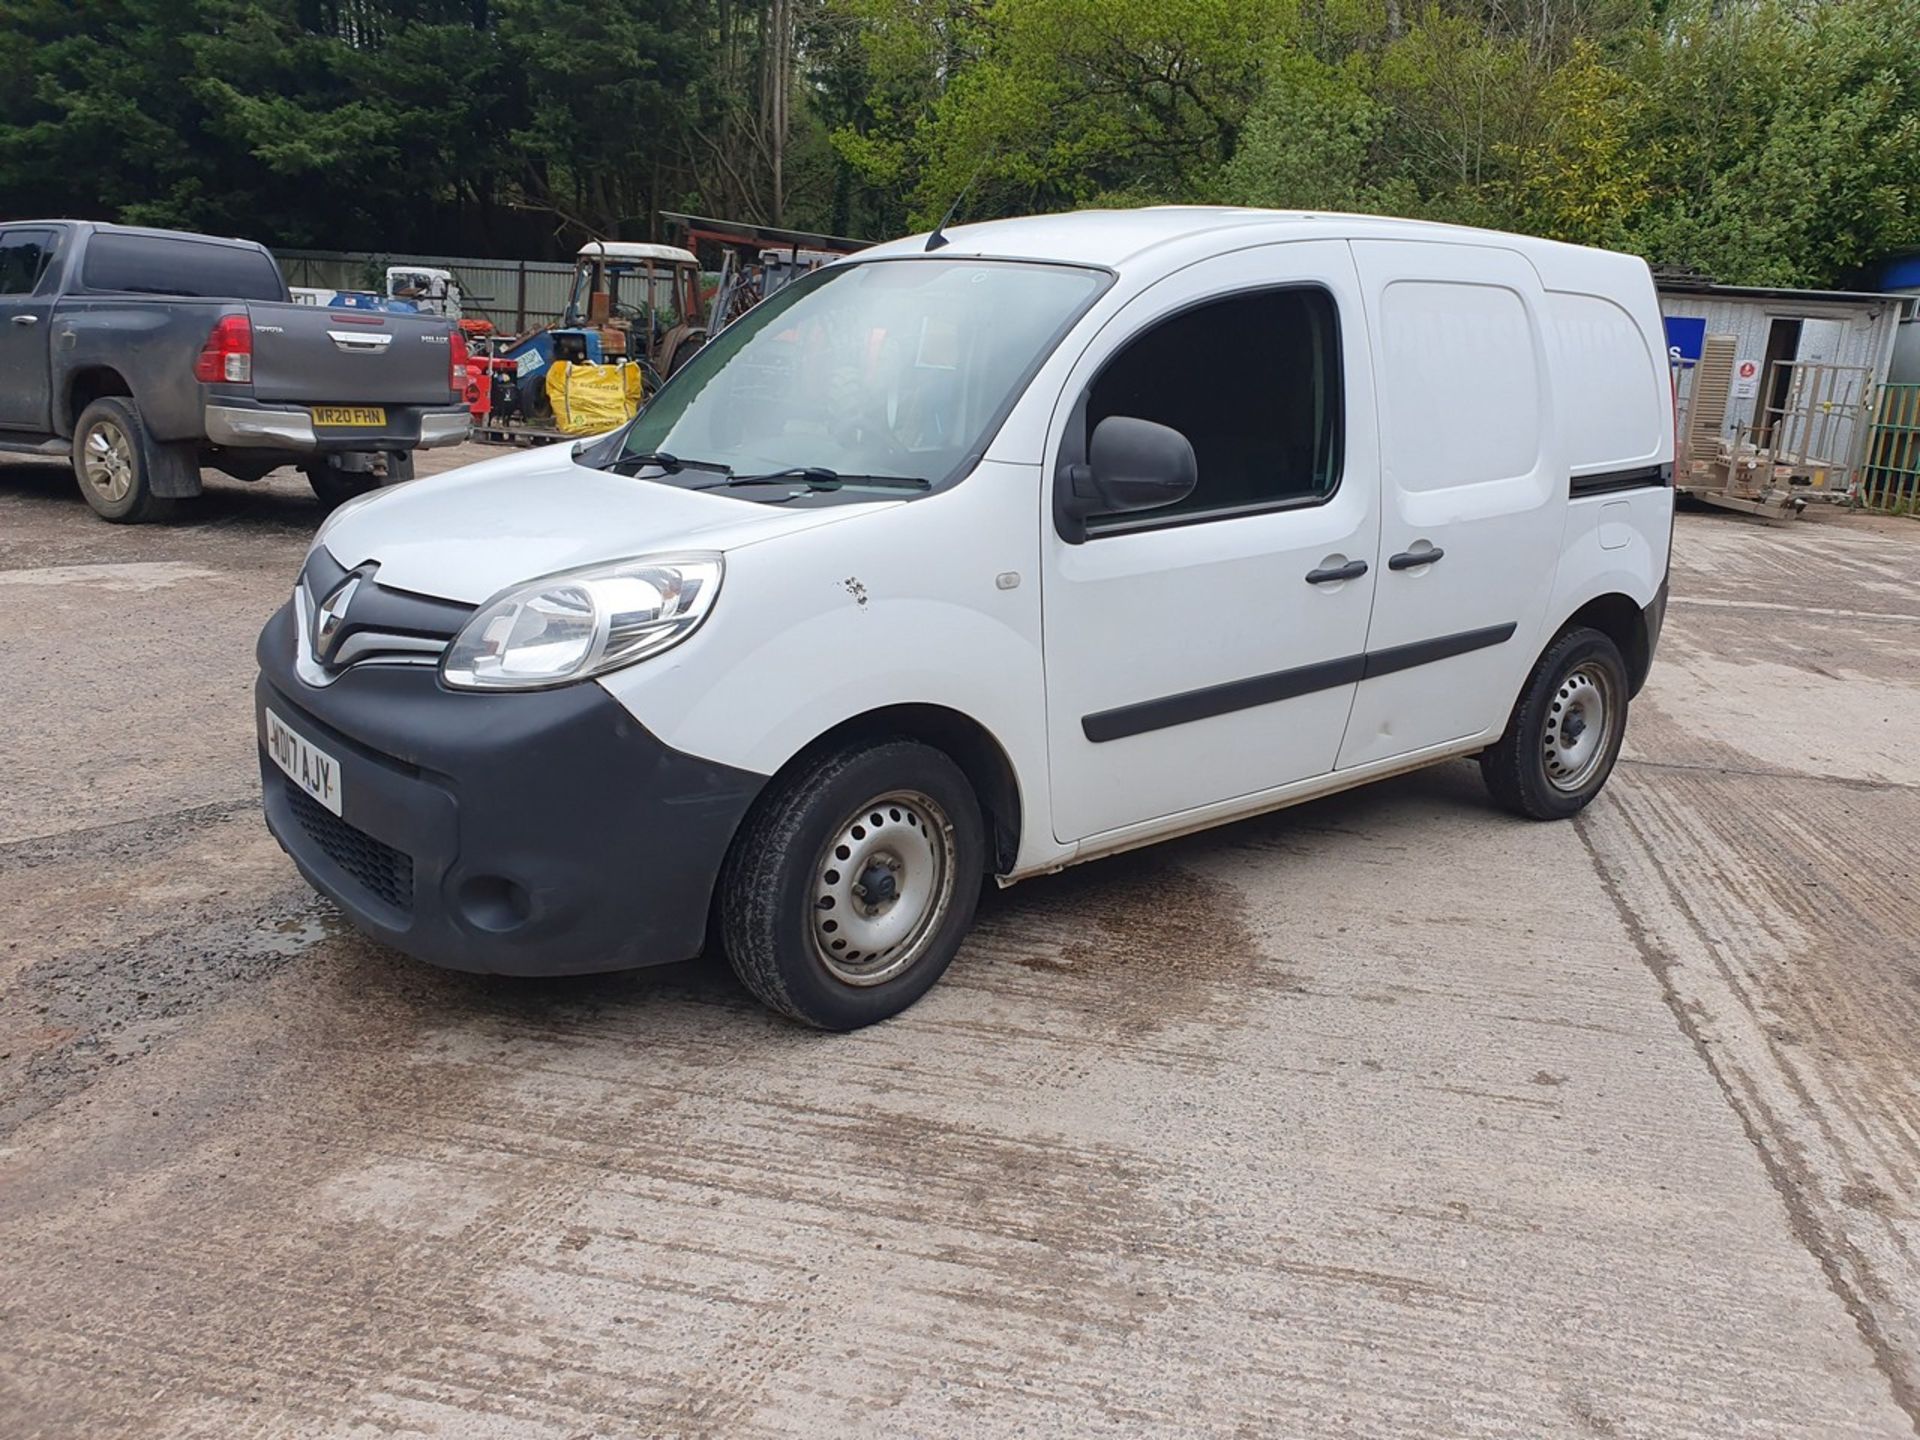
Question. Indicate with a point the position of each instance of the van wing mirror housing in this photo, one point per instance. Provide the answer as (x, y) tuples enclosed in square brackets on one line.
[(1131, 465)]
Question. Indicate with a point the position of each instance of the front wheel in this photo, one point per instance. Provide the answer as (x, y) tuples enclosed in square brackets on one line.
[(852, 883), (1565, 732)]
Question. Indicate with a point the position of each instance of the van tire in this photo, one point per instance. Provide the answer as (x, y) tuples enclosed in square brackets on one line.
[(113, 462), (781, 868), (1536, 769)]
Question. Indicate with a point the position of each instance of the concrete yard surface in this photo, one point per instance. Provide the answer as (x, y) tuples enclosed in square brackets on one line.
[(1383, 1116)]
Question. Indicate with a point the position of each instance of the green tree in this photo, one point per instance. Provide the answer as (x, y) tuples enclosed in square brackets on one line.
[(884, 66), (94, 122), (1785, 141), (1074, 102), (1308, 140), (1767, 140), (1580, 175)]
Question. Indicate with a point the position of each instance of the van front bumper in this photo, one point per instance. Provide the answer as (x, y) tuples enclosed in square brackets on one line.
[(535, 833)]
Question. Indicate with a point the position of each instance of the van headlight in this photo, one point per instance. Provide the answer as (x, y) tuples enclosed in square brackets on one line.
[(580, 623)]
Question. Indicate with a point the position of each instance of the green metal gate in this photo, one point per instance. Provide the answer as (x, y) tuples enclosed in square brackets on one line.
[(1891, 479)]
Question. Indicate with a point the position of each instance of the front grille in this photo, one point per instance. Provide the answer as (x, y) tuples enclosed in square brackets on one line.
[(380, 869), (379, 624)]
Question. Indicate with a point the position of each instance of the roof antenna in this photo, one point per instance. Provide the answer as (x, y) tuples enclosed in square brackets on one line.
[(938, 237)]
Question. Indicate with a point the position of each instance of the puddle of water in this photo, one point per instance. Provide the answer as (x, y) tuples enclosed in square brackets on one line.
[(136, 576), (291, 936)]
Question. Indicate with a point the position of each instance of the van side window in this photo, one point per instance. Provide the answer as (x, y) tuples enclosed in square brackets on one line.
[(1253, 382), (23, 259), (1460, 360)]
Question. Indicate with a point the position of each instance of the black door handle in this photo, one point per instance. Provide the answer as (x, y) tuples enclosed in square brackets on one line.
[(1407, 559), (1352, 570)]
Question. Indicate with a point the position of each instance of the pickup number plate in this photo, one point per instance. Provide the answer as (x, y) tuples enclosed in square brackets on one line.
[(361, 415), (306, 764)]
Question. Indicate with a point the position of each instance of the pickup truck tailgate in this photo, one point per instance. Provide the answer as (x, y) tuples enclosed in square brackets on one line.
[(316, 355)]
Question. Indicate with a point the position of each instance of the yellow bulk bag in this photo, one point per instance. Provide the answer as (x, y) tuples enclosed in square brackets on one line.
[(591, 399)]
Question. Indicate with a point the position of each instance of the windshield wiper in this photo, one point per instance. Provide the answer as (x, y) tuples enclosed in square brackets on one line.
[(819, 477), (669, 463)]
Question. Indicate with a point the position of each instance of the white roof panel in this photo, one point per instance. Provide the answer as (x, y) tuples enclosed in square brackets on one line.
[(1121, 238)]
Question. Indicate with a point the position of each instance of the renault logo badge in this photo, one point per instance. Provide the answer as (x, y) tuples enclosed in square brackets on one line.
[(331, 616)]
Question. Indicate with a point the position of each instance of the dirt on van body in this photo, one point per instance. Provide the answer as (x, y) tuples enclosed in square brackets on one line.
[(1387, 1115)]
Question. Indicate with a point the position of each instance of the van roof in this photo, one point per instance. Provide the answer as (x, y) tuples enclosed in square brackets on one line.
[(1115, 237)]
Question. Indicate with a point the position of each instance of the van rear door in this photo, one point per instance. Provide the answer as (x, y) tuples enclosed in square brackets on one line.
[(1473, 478)]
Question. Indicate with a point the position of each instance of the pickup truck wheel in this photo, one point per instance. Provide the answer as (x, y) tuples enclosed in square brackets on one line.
[(1565, 733), (852, 883), (111, 453), (333, 487)]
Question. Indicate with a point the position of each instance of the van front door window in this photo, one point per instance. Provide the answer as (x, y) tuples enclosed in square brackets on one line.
[(1252, 382)]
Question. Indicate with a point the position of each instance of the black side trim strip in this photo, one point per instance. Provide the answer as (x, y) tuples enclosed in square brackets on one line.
[(1607, 481), (1222, 699), (1214, 700), (1425, 652)]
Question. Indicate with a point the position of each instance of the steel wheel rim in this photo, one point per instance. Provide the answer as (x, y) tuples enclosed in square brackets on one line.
[(106, 457), (881, 886), (1578, 728)]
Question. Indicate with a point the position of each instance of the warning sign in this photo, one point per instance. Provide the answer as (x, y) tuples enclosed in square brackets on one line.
[(1746, 380)]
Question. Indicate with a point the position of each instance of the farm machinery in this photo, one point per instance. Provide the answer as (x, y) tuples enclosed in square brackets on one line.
[(636, 312), (634, 316)]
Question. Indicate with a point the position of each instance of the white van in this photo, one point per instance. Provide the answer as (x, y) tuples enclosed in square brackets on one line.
[(980, 554)]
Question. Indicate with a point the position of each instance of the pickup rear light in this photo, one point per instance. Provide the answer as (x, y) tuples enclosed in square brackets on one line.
[(227, 357), (457, 369)]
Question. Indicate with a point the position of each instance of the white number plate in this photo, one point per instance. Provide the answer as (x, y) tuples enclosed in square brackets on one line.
[(306, 764)]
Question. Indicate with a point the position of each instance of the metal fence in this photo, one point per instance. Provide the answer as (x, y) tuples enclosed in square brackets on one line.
[(516, 295), (1891, 478)]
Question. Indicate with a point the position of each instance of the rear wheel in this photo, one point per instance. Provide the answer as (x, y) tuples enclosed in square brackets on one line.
[(111, 460), (333, 487), (1564, 735), (853, 882)]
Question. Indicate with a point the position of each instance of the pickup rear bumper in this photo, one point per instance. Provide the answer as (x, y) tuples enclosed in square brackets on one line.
[(248, 426)]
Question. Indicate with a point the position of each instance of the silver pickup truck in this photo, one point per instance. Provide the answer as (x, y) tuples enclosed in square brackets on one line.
[(147, 354)]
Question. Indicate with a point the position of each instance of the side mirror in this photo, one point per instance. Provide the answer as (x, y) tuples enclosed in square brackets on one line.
[(1131, 465)]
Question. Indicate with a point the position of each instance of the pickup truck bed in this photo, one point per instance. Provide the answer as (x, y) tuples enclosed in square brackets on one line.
[(112, 348)]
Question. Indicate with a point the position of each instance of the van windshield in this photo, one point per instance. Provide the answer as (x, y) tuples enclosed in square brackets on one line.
[(891, 373)]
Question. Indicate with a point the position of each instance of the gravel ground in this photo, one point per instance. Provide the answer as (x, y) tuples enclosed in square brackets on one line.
[(1383, 1116)]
